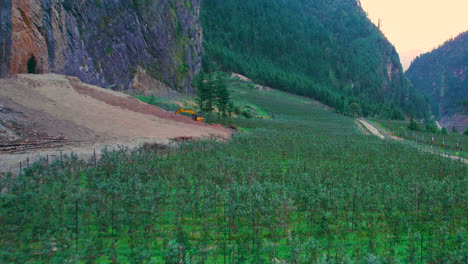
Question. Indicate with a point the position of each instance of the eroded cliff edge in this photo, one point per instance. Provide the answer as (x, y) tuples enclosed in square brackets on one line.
[(103, 41)]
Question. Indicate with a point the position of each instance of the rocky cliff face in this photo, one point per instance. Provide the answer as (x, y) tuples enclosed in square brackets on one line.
[(103, 42), (5, 36)]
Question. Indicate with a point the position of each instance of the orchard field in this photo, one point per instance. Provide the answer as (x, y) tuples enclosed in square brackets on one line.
[(299, 186), (423, 137)]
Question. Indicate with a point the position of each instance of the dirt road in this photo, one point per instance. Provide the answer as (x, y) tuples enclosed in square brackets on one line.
[(371, 128), (376, 132)]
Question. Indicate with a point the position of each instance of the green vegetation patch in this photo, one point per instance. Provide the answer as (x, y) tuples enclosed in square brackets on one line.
[(164, 103), (326, 50), (302, 187)]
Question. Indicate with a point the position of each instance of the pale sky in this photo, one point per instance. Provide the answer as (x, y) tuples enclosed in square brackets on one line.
[(418, 26)]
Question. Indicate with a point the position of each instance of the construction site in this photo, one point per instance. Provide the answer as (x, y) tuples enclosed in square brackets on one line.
[(45, 115)]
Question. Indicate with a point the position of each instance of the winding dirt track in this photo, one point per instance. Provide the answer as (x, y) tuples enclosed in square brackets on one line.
[(376, 132), (371, 128)]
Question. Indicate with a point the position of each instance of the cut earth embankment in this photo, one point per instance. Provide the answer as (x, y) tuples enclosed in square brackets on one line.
[(39, 107)]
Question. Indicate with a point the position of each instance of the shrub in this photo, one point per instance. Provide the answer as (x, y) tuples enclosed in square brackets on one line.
[(355, 109), (431, 127), (247, 114), (413, 125)]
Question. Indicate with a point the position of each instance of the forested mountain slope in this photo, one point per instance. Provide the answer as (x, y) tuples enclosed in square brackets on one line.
[(328, 50), (442, 75)]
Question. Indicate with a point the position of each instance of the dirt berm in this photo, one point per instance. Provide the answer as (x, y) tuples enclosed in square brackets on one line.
[(72, 116)]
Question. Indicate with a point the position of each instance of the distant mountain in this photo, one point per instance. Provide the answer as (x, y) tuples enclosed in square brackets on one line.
[(442, 76), (325, 49)]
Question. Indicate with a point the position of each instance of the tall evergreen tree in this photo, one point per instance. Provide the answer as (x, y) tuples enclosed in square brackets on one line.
[(212, 92), (222, 96)]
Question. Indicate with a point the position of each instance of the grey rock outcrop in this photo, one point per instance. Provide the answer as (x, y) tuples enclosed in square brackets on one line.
[(103, 42), (5, 36)]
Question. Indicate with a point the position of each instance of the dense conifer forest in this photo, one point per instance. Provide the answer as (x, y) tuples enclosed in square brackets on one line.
[(441, 75), (327, 50)]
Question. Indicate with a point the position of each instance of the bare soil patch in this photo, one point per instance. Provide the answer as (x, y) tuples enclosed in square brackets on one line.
[(241, 77), (371, 128), (66, 114)]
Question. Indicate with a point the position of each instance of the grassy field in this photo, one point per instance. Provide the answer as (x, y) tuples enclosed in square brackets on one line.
[(301, 186), (165, 103)]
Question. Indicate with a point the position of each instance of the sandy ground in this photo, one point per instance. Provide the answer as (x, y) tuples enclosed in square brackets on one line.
[(371, 128), (89, 116), (240, 77), (361, 128)]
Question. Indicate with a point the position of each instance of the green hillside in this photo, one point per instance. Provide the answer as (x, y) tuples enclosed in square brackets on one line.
[(301, 186), (327, 50), (442, 75)]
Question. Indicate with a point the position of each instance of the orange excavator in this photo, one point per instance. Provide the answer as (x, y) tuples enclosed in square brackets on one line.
[(194, 115)]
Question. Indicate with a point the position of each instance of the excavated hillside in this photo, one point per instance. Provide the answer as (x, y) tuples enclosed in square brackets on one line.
[(51, 111)]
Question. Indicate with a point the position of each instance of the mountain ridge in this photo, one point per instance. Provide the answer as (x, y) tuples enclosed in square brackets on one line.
[(327, 50), (441, 74)]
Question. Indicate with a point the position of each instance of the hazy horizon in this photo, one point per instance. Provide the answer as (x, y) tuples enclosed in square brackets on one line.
[(418, 26)]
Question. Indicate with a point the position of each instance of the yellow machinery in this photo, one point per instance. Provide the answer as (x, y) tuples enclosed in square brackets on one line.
[(194, 115)]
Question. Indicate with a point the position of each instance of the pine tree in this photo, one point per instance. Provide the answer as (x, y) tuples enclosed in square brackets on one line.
[(204, 93), (212, 92), (222, 96), (355, 109)]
